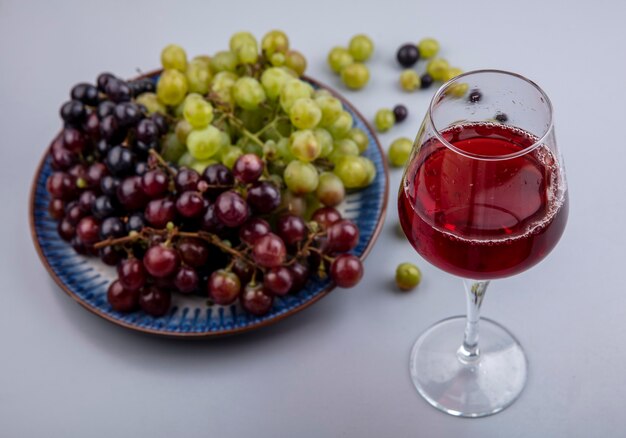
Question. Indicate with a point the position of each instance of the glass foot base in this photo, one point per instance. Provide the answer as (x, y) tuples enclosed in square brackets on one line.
[(473, 389)]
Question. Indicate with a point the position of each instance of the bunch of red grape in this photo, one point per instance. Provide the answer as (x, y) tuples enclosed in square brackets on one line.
[(221, 233)]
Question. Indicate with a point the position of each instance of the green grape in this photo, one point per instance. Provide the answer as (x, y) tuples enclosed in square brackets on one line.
[(174, 57), (276, 168), (384, 120), (273, 80), (340, 127), (355, 76), (305, 114), (300, 177), (399, 151), (151, 102), (410, 80), (248, 93), (248, 54), (171, 148), (325, 141), (205, 59), (295, 61), (371, 170), (437, 68), (451, 73), (186, 160), (284, 150), (204, 143), (359, 136), (200, 165), (293, 90), (239, 39), (428, 48), (198, 76), (331, 108), (408, 276), (222, 84), (224, 139), (253, 120), (182, 130), (277, 59), (352, 172), (338, 58), (342, 148), (304, 145), (312, 204), (274, 41), (320, 92), (292, 74), (198, 112), (249, 147), (172, 87), (330, 190), (457, 89), (270, 151), (230, 155), (223, 61), (293, 203), (361, 47)]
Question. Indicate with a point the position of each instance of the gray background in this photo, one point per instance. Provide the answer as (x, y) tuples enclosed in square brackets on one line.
[(339, 368)]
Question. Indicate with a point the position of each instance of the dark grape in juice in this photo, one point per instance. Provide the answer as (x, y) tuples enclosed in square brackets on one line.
[(483, 219)]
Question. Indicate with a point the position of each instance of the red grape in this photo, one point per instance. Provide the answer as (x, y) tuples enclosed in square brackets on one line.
[(88, 230), (263, 197), (61, 157), (161, 261), (210, 222), (223, 287), (252, 229), (155, 301), (243, 270), (326, 216), (269, 251), (91, 127), (255, 300), (112, 227), (342, 236), (300, 275), (56, 208), (61, 185), (73, 140), (231, 209), (86, 199), (186, 280), (110, 256), (346, 270), (291, 228), (66, 230), (130, 194), (193, 252), (78, 171), (278, 280), (186, 179), (190, 204), (248, 168), (122, 299), (95, 173), (159, 212), (147, 131), (74, 212), (131, 274), (154, 183), (217, 175)]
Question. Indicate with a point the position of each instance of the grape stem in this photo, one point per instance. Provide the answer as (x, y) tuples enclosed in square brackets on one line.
[(162, 162)]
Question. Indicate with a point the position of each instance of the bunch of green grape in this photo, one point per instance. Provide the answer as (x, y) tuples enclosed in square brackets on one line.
[(251, 99), (349, 62)]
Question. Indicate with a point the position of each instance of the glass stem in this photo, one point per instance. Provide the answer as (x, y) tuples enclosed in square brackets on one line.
[(474, 292)]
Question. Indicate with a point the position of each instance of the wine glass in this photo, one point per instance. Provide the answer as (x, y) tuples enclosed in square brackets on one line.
[(483, 196)]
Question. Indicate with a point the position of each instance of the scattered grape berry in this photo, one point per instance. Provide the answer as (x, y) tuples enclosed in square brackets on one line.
[(501, 117), (400, 112), (408, 54), (475, 96)]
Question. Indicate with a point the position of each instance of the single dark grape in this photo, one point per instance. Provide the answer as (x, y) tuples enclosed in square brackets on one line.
[(501, 117), (95, 173), (147, 131), (400, 112), (131, 273), (193, 252), (122, 299), (161, 122), (300, 274), (66, 230), (102, 147), (109, 184), (269, 251), (141, 168), (103, 80), (78, 170), (112, 227), (254, 228), (131, 195), (117, 90), (256, 300), (248, 168), (346, 270), (120, 161), (161, 261), (186, 179), (111, 131), (231, 209), (475, 96), (326, 216), (278, 280), (103, 207), (291, 228), (135, 222), (88, 230), (105, 108), (87, 199), (217, 175), (264, 197), (159, 212), (190, 204), (223, 287), (186, 280), (210, 221), (426, 81), (243, 270), (61, 157), (74, 212), (408, 54), (73, 112), (127, 114), (85, 93), (62, 185), (154, 183), (79, 246), (142, 148), (110, 256), (91, 127), (155, 301), (56, 208), (73, 140)]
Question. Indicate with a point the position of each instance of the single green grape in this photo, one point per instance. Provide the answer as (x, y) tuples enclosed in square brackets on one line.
[(320, 92), (152, 103), (182, 130), (292, 74), (340, 127), (300, 177), (200, 165), (304, 145), (270, 151), (247, 53), (355, 76), (384, 120), (284, 150), (224, 139), (331, 108), (248, 93), (399, 151), (451, 73), (171, 148), (206, 59), (371, 170), (223, 61), (457, 89), (186, 160), (361, 47), (352, 172), (408, 276), (230, 154), (273, 80), (293, 203), (339, 58), (204, 143), (277, 59), (295, 61), (330, 190), (361, 139), (172, 87), (274, 41), (437, 68), (305, 114), (198, 76), (239, 39), (222, 85), (174, 57), (293, 90), (342, 148), (410, 80), (198, 112), (325, 141), (249, 147), (428, 48)]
